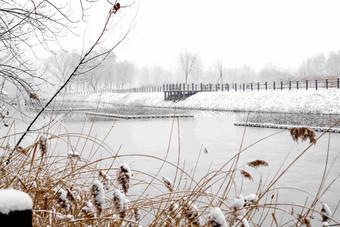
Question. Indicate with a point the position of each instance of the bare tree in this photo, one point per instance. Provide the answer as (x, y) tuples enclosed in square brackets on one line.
[(187, 61), (59, 65), (25, 25), (332, 66), (32, 14), (123, 73), (219, 65), (313, 67)]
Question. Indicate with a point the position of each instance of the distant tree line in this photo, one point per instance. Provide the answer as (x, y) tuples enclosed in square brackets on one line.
[(115, 74)]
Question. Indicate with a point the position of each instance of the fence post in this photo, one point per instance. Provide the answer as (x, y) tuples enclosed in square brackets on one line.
[(227, 85), (210, 85), (235, 86), (18, 208), (297, 85), (265, 84), (274, 85), (192, 86), (337, 83), (222, 86), (201, 87), (180, 87), (326, 83), (251, 86), (316, 84), (258, 86), (216, 87), (290, 85), (281, 85), (243, 87), (306, 84)]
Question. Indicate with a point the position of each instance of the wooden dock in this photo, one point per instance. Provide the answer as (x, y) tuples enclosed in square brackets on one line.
[(277, 126), (127, 117)]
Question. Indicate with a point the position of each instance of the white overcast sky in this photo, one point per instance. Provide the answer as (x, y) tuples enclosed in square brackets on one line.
[(252, 32)]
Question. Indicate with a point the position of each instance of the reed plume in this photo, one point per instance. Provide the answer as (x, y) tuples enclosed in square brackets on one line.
[(123, 177), (98, 196), (88, 209), (61, 195), (303, 133), (216, 218), (257, 163), (191, 213), (168, 183), (42, 145), (120, 203), (246, 175)]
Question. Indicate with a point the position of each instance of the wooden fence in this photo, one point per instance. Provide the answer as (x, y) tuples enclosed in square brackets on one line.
[(282, 85), (127, 90), (256, 86)]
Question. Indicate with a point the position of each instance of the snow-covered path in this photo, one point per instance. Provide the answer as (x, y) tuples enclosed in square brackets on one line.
[(297, 101)]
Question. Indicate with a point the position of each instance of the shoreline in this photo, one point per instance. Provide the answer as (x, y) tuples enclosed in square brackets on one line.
[(201, 109), (323, 102)]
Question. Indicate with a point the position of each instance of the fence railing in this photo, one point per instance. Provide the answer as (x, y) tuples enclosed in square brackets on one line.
[(125, 90), (255, 86), (281, 85)]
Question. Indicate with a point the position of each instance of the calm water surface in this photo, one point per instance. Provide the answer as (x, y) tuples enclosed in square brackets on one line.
[(216, 132), (185, 139)]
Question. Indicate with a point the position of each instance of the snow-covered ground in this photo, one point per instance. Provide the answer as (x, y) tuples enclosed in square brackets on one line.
[(295, 101)]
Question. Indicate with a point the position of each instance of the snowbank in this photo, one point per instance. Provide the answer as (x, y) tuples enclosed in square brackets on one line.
[(14, 200), (295, 101)]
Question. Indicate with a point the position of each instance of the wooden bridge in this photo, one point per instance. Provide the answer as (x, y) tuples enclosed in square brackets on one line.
[(175, 92)]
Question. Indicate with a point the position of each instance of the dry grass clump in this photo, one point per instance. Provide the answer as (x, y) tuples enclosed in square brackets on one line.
[(303, 133), (80, 190)]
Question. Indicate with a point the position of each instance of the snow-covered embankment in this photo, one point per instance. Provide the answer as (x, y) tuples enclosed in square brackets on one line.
[(297, 101)]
